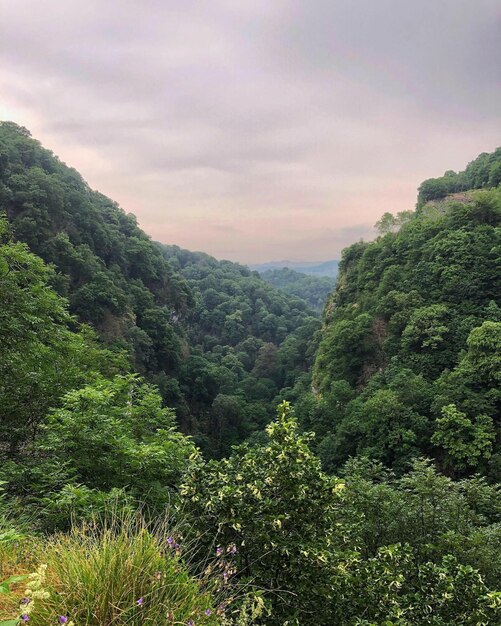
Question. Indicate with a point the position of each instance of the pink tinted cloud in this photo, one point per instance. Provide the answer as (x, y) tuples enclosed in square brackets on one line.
[(256, 130)]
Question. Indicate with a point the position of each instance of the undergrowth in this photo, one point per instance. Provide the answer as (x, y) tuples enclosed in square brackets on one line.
[(121, 571)]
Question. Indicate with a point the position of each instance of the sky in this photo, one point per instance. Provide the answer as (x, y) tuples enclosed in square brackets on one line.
[(256, 130)]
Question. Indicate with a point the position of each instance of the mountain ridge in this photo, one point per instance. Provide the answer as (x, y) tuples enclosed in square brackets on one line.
[(324, 268)]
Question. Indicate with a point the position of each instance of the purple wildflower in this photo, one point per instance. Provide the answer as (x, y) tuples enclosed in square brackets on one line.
[(63, 619), (190, 622), (25, 601), (219, 551), (140, 602), (170, 541), (225, 576), (233, 549), (208, 612), (25, 617)]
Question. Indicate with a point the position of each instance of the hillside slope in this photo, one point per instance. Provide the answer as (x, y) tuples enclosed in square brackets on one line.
[(115, 278), (409, 361), (482, 173), (220, 348), (310, 288), (327, 268), (250, 345)]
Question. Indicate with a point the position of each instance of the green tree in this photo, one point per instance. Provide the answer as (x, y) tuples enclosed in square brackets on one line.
[(484, 351), (276, 506), (115, 434), (466, 442), (43, 352), (416, 306)]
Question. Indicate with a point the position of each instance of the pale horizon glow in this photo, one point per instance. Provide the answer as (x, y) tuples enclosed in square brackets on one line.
[(256, 130)]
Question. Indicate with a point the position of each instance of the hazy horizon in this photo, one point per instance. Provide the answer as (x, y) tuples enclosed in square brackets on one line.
[(256, 131)]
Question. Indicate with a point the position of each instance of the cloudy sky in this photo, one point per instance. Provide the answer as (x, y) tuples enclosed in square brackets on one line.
[(256, 129)]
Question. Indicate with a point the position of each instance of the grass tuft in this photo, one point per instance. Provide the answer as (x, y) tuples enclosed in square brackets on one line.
[(122, 572)]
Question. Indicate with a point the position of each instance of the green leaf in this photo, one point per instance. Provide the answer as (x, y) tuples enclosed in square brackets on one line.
[(14, 579), (10, 536), (5, 584)]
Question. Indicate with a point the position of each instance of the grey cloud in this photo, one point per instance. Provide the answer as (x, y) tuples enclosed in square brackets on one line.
[(301, 119), (440, 54)]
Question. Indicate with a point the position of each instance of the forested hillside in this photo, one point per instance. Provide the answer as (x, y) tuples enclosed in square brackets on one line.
[(220, 358), (114, 277), (250, 344), (110, 515), (325, 268), (483, 172), (409, 360), (312, 289)]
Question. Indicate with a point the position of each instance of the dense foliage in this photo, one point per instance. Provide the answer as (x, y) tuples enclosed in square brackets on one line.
[(250, 344), (409, 359), (75, 426), (114, 277), (481, 173), (369, 549), (43, 352), (313, 289), (220, 352)]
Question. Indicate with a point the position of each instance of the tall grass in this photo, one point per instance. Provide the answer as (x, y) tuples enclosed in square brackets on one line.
[(15, 559), (123, 572)]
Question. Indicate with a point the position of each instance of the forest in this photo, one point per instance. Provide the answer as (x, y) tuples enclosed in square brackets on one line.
[(185, 441), (483, 172), (313, 289)]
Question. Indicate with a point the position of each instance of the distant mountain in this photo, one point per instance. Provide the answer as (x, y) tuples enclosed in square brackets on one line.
[(313, 289), (327, 268)]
